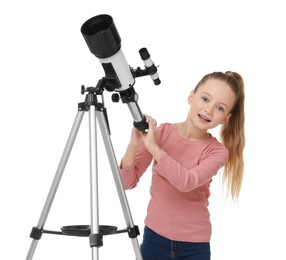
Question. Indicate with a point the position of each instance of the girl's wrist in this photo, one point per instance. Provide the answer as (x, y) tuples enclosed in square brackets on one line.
[(157, 153), (133, 146)]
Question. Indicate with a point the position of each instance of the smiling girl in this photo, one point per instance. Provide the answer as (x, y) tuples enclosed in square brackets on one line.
[(185, 159)]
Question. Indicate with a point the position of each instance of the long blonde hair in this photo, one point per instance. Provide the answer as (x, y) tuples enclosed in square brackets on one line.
[(232, 133)]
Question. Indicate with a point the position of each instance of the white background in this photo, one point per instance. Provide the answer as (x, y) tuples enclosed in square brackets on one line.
[(44, 60)]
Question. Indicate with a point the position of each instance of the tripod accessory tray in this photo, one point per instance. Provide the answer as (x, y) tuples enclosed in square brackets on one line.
[(84, 230)]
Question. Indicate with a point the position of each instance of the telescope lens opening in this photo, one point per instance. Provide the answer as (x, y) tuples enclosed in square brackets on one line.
[(96, 26)]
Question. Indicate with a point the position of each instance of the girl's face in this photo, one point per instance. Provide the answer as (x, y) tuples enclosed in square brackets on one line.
[(211, 104)]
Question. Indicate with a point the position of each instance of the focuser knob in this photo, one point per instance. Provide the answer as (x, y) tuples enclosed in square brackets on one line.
[(82, 89)]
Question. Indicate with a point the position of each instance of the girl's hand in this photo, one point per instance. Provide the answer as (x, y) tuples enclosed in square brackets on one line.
[(136, 138), (149, 138), (132, 149)]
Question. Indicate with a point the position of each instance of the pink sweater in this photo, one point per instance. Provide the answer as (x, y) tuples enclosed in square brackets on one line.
[(178, 208)]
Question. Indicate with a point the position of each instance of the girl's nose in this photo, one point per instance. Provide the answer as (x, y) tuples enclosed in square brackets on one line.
[(209, 110)]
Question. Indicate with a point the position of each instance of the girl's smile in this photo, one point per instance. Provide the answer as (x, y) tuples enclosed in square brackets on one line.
[(204, 118)]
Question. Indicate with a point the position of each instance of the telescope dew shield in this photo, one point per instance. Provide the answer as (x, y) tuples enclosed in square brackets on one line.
[(104, 42), (101, 36)]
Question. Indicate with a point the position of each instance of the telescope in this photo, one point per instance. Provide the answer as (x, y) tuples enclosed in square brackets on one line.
[(104, 42)]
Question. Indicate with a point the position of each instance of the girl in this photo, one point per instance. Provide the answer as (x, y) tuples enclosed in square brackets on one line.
[(185, 159)]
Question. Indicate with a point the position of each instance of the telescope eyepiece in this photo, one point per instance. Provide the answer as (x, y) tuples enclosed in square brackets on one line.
[(144, 54)]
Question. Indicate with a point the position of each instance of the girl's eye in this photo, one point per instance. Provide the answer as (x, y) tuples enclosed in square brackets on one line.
[(221, 109), (205, 99)]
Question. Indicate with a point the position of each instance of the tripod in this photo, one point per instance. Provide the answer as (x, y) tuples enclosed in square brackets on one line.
[(97, 112)]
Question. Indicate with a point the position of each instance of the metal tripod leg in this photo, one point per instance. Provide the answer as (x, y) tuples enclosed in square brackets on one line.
[(56, 181), (94, 226), (117, 178)]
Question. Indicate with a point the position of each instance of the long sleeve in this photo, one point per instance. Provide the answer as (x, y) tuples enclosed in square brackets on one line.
[(187, 179), (130, 176)]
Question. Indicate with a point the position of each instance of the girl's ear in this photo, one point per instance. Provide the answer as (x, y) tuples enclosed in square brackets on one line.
[(226, 119), (190, 97)]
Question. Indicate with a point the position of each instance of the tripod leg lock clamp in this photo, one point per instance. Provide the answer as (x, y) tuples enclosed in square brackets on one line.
[(36, 233), (133, 232), (95, 240)]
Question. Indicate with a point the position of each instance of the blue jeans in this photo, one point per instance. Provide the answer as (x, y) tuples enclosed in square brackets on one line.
[(156, 247)]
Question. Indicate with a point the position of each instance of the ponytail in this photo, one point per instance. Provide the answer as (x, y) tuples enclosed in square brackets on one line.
[(232, 136)]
